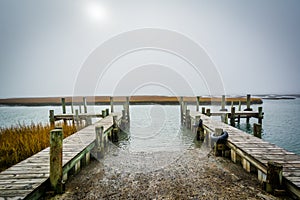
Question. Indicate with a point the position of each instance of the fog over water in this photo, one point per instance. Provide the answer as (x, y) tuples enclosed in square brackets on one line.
[(254, 46)]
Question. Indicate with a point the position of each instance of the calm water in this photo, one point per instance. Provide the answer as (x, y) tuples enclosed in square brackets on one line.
[(157, 128)]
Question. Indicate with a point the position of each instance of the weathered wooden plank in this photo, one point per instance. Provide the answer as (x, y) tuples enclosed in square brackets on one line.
[(23, 176), (257, 151), (21, 179)]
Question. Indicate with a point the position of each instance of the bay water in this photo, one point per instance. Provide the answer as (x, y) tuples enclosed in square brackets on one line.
[(156, 128)]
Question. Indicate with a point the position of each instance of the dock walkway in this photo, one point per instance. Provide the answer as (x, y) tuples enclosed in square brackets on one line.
[(29, 178), (254, 153)]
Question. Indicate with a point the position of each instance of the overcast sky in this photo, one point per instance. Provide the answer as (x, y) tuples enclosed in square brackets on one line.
[(44, 46)]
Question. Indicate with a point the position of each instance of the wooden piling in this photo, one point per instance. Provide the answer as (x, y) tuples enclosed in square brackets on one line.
[(111, 104), (115, 135), (274, 176), (260, 115), (77, 117), (128, 114), (63, 104), (84, 105), (123, 125), (188, 119), (72, 108), (99, 142), (223, 103), (51, 118), (79, 107), (248, 108), (198, 103), (208, 112), (181, 110), (257, 130), (56, 139), (103, 113), (218, 148), (107, 111), (203, 110), (224, 118), (232, 117)]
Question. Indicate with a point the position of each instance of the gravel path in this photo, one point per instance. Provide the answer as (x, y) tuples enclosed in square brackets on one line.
[(191, 174)]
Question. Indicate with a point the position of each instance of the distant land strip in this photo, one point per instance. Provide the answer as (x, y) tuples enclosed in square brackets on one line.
[(105, 100)]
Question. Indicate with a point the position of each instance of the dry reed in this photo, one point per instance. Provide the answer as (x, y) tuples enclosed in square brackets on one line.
[(22, 141)]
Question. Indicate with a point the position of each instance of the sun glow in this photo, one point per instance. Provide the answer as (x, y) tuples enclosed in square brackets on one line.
[(95, 11)]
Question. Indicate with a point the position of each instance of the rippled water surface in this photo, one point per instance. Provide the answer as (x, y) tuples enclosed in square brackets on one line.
[(155, 127)]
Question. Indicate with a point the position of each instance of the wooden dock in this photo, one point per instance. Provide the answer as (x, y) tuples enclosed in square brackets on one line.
[(29, 178), (254, 154)]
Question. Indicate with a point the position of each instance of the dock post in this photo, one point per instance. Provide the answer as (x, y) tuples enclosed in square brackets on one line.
[(181, 109), (274, 176), (123, 125), (99, 141), (51, 118), (203, 110), (188, 119), (219, 148), (198, 103), (107, 111), (248, 103), (208, 112), (79, 107), (223, 103), (232, 117), (111, 104), (260, 115), (63, 104), (56, 142), (84, 105), (257, 130), (115, 131), (224, 118), (103, 113), (128, 114), (72, 108), (77, 117), (200, 130)]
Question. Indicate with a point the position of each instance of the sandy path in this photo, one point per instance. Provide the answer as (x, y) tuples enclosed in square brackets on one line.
[(192, 174)]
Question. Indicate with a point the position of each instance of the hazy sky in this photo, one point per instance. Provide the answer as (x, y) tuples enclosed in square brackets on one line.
[(254, 45)]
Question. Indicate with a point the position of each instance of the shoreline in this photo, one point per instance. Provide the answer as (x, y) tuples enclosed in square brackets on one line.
[(134, 100)]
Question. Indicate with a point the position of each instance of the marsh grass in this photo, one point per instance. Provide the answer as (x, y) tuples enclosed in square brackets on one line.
[(22, 141)]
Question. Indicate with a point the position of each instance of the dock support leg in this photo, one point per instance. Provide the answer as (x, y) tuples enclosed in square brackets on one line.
[(260, 115), (103, 113), (188, 119), (51, 118), (274, 176), (233, 156), (257, 130), (84, 105), (208, 112), (56, 141), (63, 104), (77, 118), (99, 142), (181, 109), (223, 103), (111, 104), (203, 110), (232, 117), (198, 103), (128, 113), (248, 108)]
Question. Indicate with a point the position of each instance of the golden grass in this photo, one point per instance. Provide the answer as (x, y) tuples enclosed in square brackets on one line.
[(22, 141)]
